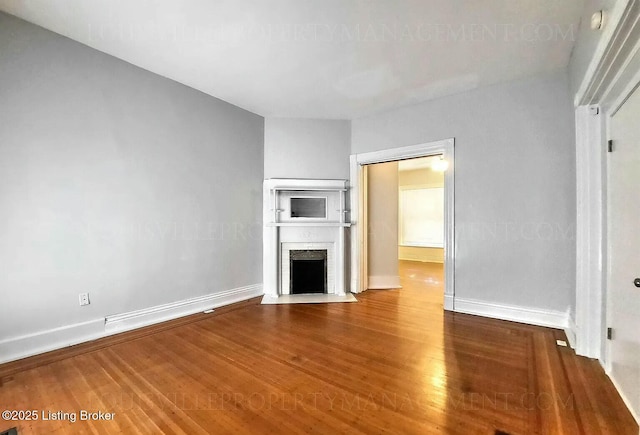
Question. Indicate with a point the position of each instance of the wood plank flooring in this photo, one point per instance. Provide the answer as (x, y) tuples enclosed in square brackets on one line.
[(392, 363)]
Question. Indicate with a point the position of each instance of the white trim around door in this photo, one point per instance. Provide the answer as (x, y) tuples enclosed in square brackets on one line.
[(613, 75), (358, 161)]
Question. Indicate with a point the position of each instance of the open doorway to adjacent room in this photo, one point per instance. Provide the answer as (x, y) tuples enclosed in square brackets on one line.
[(403, 214), (405, 225), (421, 224)]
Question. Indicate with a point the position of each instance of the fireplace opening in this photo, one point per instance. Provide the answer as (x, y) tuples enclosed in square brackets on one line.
[(308, 270)]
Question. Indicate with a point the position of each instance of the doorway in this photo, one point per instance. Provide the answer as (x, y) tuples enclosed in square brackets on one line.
[(359, 201)]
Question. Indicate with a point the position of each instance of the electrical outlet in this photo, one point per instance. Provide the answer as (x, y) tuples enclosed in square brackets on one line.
[(84, 299)]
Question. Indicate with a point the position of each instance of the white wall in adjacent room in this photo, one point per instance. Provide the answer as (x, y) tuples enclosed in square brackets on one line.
[(420, 178)]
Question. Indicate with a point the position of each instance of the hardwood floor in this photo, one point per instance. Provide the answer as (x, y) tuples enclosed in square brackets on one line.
[(392, 363)]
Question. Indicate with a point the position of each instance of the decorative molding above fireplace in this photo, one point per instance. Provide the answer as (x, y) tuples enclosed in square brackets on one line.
[(304, 215)]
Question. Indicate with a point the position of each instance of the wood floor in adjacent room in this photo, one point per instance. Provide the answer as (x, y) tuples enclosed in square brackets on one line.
[(391, 363)]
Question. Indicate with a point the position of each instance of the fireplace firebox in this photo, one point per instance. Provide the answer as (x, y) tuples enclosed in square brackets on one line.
[(308, 270)]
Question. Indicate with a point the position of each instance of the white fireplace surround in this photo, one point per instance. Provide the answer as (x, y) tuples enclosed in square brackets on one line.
[(285, 230)]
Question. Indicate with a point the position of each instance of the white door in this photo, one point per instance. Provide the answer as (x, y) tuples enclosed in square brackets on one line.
[(623, 230)]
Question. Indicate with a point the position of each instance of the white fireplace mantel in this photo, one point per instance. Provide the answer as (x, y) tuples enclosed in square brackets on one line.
[(284, 231)]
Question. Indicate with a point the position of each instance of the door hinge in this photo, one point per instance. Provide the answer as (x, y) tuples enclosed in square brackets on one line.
[(610, 146), (609, 333)]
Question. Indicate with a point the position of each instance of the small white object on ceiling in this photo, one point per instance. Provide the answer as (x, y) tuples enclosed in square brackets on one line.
[(597, 20)]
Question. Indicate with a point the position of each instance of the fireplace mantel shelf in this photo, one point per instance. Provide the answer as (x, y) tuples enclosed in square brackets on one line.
[(308, 224), (313, 189)]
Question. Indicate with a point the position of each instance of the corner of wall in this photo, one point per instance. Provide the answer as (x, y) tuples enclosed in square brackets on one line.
[(570, 330)]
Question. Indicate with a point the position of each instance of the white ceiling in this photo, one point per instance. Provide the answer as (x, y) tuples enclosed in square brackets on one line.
[(321, 58)]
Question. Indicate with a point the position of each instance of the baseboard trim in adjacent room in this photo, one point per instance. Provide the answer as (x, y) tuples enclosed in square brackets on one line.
[(380, 282), (161, 313), (40, 342), (421, 254), (531, 316)]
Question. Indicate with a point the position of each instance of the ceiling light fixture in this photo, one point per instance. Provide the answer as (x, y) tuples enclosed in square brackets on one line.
[(597, 20), (439, 165)]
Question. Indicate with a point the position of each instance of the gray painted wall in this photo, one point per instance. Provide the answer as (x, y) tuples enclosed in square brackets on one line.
[(116, 182), (306, 148), (515, 185), (382, 218)]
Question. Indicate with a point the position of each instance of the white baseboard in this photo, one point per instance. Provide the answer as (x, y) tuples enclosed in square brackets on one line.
[(384, 282), (419, 260), (624, 398), (162, 313), (448, 302), (570, 331), (15, 348), (422, 254), (532, 316)]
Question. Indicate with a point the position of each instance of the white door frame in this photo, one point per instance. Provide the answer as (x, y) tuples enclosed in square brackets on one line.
[(612, 75), (358, 260)]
